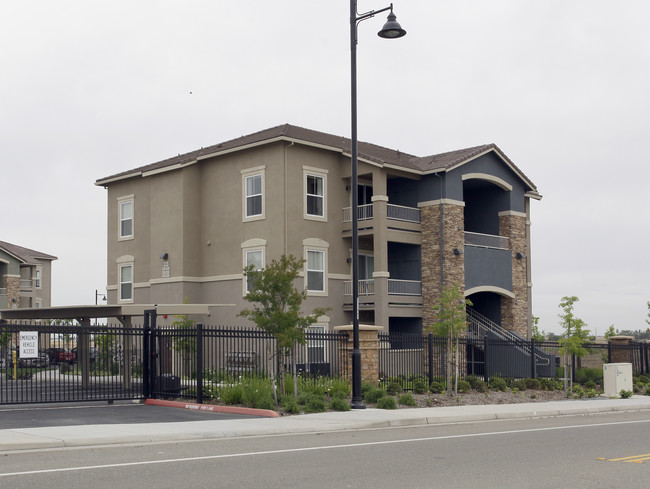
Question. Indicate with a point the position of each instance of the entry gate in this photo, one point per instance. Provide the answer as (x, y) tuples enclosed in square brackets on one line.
[(71, 363)]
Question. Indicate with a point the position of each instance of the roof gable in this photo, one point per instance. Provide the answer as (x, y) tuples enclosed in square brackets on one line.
[(367, 151), (24, 255)]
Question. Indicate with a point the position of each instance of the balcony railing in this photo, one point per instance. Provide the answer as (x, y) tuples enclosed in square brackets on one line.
[(395, 287), (404, 287), (393, 212), (486, 240), (26, 284)]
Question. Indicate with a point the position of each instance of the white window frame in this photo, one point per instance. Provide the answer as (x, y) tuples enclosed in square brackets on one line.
[(314, 173), (38, 278), (120, 283), (247, 174), (314, 245), (254, 245), (121, 202)]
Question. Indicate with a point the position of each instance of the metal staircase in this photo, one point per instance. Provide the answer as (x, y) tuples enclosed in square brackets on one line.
[(479, 326)]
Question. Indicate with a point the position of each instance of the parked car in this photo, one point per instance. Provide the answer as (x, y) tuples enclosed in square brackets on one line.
[(61, 355), (93, 353)]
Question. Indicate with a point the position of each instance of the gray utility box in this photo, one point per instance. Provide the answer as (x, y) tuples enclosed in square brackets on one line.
[(616, 377)]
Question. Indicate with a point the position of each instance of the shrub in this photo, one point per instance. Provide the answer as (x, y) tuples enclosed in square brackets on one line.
[(497, 384), (481, 386), (590, 385), (519, 384), (437, 387), (407, 400), (232, 394), (578, 392), (339, 388), (420, 386), (645, 379), (387, 402), (591, 393), (394, 388), (464, 386), (473, 381), (339, 404), (290, 405), (647, 391), (374, 395), (533, 384), (584, 375), (626, 394), (315, 404)]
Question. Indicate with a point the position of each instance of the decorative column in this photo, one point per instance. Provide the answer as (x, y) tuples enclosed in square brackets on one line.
[(514, 311), (369, 346)]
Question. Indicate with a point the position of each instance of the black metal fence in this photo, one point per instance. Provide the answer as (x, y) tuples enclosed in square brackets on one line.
[(404, 357), (74, 363)]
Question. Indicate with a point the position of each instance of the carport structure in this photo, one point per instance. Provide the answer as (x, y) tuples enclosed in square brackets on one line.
[(85, 314)]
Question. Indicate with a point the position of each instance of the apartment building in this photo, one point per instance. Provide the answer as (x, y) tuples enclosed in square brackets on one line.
[(25, 277), (186, 227)]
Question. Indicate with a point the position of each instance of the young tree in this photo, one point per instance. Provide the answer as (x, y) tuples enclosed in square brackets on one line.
[(276, 307), (450, 321), (537, 334), (610, 332), (185, 339), (575, 334)]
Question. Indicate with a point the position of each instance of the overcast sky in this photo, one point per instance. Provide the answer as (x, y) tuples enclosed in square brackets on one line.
[(89, 89)]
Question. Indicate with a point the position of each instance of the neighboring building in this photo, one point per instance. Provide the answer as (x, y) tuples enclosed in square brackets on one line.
[(188, 225), (26, 277)]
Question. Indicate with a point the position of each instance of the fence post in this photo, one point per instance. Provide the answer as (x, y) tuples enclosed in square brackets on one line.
[(146, 356), (199, 363), (430, 355), (609, 352), (486, 371), (533, 362)]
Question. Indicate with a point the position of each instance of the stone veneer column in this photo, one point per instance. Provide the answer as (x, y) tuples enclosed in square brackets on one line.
[(514, 312), (453, 237), (369, 346), (12, 284)]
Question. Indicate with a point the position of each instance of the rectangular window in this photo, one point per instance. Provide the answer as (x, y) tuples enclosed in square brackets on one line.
[(126, 219), (256, 259), (37, 279), (315, 195), (126, 282), (316, 270), (254, 195), (316, 345)]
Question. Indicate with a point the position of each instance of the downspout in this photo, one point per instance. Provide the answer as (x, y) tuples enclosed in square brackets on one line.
[(286, 199)]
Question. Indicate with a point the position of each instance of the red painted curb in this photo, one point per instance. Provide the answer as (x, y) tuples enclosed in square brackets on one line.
[(213, 408)]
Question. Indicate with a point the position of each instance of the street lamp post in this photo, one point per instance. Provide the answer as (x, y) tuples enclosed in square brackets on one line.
[(391, 30)]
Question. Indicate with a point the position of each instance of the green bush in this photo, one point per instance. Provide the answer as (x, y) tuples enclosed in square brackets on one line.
[(647, 391), (437, 387), (232, 394), (584, 375), (290, 405), (473, 381), (339, 388), (407, 400), (339, 404), (645, 379), (394, 388), (519, 384), (497, 384), (315, 404), (420, 386), (591, 393), (626, 394), (578, 392), (374, 395), (464, 386), (590, 385), (533, 384), (481, 386), (386, 402)]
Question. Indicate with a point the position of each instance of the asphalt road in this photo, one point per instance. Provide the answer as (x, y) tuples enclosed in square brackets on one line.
[(122, 412), (599, 451)]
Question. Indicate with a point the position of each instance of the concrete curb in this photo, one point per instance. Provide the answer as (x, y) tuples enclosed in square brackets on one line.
[(266, 413)]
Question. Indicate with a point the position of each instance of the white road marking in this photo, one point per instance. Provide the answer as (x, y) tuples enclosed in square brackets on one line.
[(311, 449)]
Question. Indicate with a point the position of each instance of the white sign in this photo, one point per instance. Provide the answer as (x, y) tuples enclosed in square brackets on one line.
[(29, 344)]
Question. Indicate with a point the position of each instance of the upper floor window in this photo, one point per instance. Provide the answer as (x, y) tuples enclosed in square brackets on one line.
[(253, 183), (254, 258), (315, 191), (126, 282), (37, 278), (126, 218), (315, 270)]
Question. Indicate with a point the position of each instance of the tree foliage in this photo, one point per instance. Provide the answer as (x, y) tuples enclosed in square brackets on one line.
[(575, 334), (450, 321), (184, 341), (276, 304)]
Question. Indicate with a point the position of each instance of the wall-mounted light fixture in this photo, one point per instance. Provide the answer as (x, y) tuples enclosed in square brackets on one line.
[(457, 252), (164, 256), (519, 256)]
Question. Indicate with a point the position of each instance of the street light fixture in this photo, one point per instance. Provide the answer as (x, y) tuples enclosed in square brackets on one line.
[(391, 30)]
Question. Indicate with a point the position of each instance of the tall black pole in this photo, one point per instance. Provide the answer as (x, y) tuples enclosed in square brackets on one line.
[(357, 401)]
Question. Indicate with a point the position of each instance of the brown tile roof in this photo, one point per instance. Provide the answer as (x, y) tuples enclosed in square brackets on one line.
[(367, 151), (24, 254)]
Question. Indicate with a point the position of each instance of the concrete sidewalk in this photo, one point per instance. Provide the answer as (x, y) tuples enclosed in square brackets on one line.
[(112, 434)]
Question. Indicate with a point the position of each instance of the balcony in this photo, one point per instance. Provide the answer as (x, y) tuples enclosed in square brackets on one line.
[(395, 287), (393, 212), (26, 284), (486, 241)]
